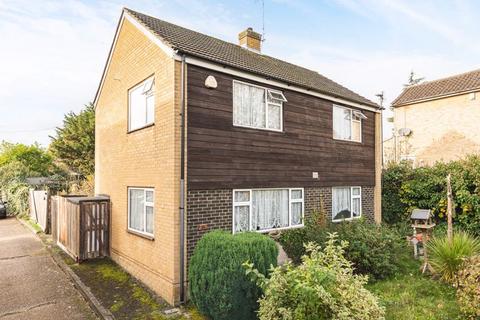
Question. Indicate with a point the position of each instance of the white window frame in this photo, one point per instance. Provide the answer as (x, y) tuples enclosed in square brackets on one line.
[(352, 196), (249, 203), (267, 94), (148, 94), (145, 205), (353, 113)]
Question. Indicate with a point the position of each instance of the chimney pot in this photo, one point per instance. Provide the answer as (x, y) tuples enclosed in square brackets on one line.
[(250, 39)]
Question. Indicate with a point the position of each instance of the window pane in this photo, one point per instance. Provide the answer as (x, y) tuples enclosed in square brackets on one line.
[(248, 105), (274, 117), (149, 196), (341, 123), (296, 213), (356, 131), (356, 191), (150, 112), (242, 196), (137, 109), (356, 203), (341, 203), (136, 212), (241, 218), (147, 86), (149, 217), (297, 194), (269, 209)]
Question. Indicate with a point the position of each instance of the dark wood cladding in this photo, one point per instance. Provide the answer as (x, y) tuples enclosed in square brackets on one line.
[(220, 155)]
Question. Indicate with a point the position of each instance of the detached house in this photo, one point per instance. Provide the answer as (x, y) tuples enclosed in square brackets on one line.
[(194, 133), (436, 120)]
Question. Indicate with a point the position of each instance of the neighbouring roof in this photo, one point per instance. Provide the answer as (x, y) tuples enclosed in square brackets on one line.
[(209, 48), (430, 90)]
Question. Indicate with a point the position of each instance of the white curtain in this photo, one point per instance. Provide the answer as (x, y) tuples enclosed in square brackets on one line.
[(241, 218), (296, 213), (269, 209), (248, 105), (341, 123), (137, 203), (341, 203), (356, 203), (274, 116), (149, 217)]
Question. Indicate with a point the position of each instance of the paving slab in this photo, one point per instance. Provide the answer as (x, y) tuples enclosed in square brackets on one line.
[(32, 286)]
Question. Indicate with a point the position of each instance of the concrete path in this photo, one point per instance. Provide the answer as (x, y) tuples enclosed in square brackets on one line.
[(32, 286)]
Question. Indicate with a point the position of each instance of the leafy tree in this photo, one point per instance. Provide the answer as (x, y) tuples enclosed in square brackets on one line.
[(33, 158), (74, 143)]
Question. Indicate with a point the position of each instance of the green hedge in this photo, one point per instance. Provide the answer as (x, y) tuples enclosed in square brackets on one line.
[(406, 188), (374, 250), (219, 286)]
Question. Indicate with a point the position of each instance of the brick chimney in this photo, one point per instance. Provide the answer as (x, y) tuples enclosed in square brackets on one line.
[(250, 39)]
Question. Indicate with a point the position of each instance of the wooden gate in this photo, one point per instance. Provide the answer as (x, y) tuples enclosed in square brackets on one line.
[(81, 226), (39, 201)]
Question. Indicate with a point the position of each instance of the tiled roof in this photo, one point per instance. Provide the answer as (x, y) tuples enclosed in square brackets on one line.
[(443, 87), (206, 47)]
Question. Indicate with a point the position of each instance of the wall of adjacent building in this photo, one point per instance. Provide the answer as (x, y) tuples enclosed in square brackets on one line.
[(147, 157), (442, 130)]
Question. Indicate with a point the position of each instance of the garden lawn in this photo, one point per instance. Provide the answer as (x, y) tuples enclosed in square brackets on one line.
[(415, 296)]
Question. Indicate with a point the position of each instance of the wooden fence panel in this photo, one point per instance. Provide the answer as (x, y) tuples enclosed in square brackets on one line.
[(83, 226)]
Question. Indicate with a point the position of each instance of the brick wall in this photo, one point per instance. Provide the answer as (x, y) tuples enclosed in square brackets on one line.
[(147, 157), (212, 209), (207, 210)]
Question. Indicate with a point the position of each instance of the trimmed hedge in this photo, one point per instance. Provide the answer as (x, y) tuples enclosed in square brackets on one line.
[(374, 250), (219, 286)]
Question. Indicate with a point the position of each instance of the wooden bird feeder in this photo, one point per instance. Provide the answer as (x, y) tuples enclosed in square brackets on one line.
[(422, 220)]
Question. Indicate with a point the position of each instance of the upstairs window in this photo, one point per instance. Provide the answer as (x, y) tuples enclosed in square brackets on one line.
[(347, 124), (346, 203), (257, 107), (141, 105)]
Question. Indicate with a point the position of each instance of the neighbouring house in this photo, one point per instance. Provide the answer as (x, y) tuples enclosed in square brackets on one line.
[(436, 120), (194, 133)]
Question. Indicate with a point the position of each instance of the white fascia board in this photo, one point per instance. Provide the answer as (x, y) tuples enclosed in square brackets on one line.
[(253, 77), (152, 37)]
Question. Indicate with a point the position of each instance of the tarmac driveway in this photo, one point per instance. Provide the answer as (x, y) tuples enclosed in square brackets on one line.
[(32, 286)]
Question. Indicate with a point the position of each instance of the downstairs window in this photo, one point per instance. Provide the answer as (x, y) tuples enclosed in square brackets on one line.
[(267, 209), (140, 210), (346, 203)]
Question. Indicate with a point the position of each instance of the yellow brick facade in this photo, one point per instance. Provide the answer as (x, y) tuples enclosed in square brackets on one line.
[(442, 130), (148, 157)]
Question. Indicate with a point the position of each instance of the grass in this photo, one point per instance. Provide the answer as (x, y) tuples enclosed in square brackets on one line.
[(32, 224), (123, 295), (414, 296)]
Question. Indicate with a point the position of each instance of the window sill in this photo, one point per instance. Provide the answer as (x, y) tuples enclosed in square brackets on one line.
[(140, 234), (144, 127), (345, 140), (261, 129), (346, 219), (274, 229)]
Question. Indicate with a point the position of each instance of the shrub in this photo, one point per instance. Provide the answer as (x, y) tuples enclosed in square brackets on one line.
[(323, 286), (447, 257), (468, 293), (375, 250), (218, 284), (406, 188)]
